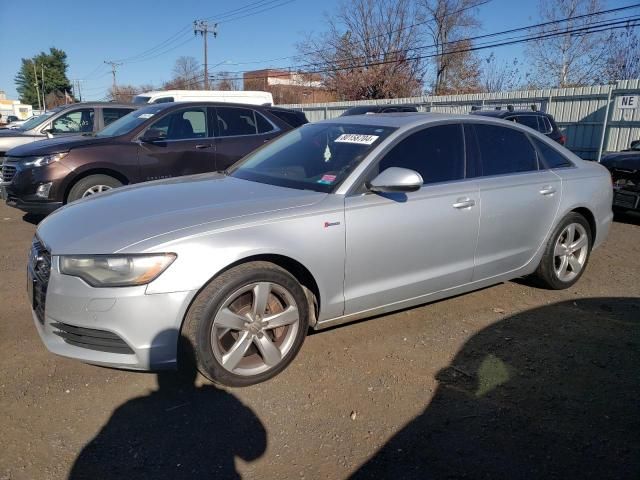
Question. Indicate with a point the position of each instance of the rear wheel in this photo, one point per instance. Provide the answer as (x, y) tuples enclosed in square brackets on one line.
[(248, 324), (92, 185), (566, 254)]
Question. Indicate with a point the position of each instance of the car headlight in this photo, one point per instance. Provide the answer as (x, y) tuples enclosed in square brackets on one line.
[(116, 270), (45, 160)]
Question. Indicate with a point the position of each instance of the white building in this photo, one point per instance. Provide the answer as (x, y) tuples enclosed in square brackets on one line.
[(13, 107)]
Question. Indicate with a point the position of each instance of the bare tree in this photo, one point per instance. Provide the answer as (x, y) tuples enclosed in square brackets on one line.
[(368, 50), (569, 59), (498, 76), (125, 93), (225, 81), (623, 61), (187, 75), (449, 22)]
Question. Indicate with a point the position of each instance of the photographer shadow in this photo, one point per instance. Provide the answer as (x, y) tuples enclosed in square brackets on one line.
[(179, 431), (547, 393)]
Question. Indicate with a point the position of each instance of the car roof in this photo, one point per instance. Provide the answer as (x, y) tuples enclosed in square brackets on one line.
[(506, 113), (95, 104), (204, 103), (396, 119)]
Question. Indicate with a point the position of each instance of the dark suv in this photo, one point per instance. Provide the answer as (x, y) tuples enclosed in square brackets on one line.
[(540, 121), (158, 141)]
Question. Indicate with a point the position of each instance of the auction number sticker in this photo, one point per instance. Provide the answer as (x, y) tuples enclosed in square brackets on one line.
[(145, 115), (356, 138)]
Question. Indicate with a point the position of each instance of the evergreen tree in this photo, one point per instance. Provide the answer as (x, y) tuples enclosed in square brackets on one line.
[(55, 76)]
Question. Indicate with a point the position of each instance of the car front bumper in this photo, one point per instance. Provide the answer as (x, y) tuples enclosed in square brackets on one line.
[(116, 327), (19, 187)]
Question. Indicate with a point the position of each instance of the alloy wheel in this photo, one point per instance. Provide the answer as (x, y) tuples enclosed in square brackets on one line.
[(255, 328), (570, 252), (95, 189)]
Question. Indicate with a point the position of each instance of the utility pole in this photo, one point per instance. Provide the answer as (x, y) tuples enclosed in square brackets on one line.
[(44, 103), (76, 89), (114, 65), (35, 74), (203, 28)]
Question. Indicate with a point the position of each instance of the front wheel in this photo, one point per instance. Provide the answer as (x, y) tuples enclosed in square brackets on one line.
[(566, 254), (248, 324), (92, 185)]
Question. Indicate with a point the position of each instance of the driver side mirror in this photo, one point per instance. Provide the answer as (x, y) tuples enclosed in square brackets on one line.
[(48, 131), (396, 179), (153, 135)]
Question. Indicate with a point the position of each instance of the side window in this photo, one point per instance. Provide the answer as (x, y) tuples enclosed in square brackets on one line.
[(551, 158), (163, 100), (78, 121), (530, 121), (110, 115), (236, 121), (504, 150), (436, 153), (264, 125), (183, 124), (289, 118)]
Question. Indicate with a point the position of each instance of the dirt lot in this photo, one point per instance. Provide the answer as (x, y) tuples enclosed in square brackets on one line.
[(507, 382)]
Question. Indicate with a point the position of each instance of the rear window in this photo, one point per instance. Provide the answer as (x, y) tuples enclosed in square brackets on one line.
[(110, 115), (163, 100), (289, 118), (141, 99), (551, 158)]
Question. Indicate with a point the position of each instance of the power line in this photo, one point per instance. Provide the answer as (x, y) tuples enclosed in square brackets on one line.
[(576, 31), (470, 39)]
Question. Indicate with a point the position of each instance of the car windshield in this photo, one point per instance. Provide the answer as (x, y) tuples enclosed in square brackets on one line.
[(130, 121), (35, 121), (313, 157)]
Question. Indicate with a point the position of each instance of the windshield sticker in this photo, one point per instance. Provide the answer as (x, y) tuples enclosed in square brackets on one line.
[(355, 138), (145, 115), (327, 179)]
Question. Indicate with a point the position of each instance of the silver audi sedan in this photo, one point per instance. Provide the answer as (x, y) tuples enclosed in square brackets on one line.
[(332, 222)]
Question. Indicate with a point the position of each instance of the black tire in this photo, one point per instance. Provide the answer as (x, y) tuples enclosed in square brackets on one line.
[(84, 184), (199, 320), (546, 275)]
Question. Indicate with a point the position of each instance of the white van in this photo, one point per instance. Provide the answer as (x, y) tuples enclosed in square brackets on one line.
[(232, 96)]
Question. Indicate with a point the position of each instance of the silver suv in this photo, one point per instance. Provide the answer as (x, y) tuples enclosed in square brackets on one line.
[(332, 222)]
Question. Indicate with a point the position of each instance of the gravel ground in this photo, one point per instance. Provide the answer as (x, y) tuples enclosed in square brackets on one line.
[(507, 382)]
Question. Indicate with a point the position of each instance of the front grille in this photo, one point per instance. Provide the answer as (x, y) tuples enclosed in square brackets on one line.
[(8, 172), (40, 268), (99, 340)]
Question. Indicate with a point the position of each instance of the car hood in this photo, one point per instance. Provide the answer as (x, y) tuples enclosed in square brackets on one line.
[(13, 132), (56, 145), (623, 160), (112, 221)]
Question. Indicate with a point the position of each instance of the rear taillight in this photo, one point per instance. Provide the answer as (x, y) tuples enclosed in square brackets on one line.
[(562, 140)]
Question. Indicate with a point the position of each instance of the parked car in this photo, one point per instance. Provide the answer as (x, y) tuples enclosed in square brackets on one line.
[(370, 109), (334, 221), (228, 96), (18, 123), (66, 120), (625, 174), (12, 118), (540, 121), (157, 141)]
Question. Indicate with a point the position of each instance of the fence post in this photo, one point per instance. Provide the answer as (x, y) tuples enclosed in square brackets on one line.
[(326, 112), (604, 125)]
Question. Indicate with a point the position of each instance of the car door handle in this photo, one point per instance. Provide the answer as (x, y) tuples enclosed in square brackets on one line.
[(464, 203), (200, 146), (547, 190)]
